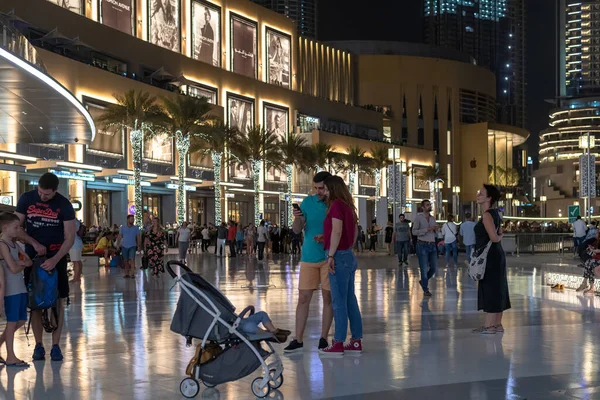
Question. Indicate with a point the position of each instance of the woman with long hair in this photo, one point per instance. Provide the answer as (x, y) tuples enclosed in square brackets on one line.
[(593, 260), (155, 247), (340, 229), (492, 291)]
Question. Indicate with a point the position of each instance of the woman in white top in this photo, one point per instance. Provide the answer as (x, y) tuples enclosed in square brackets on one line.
[(450, 231), (183, 239)]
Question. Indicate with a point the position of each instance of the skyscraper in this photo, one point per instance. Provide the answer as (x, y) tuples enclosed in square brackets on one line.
[(302, 12), (492, 32)]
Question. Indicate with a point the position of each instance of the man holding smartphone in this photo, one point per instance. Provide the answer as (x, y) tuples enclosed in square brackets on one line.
[(425, 227), (309, 216)]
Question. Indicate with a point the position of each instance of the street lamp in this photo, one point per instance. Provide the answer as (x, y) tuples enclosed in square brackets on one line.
[(587, 142), (543, 207), (508, 204), (455, 200)]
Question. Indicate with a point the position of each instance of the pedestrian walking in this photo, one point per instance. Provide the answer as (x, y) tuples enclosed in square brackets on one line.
[(183, 241), (222, 233), (425, 227), (205, 238), (467, 232), (450, 232), (155, 247), (401, 239), (579, 231), (130, 238)]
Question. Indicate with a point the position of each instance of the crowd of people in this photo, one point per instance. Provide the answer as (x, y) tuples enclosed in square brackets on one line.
[(324, 233)]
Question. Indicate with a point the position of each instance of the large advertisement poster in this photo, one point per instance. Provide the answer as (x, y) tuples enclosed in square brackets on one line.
[(243, 46), (73, 5), (117, 14), (276, 121), (106, 140), (159, 148), (278, 54), (206, 33), (240, 170), (164, 23), (241, 113), (419, 174)]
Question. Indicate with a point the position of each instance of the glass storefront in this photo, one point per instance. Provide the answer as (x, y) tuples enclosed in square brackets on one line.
[(308, 123), (196, 211), (98, 208), (151, 204), (238, 211)]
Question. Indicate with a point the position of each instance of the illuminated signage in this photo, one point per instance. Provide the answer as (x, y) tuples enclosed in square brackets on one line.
[(131, 182), (77, 206), (74, 175), (229, 195), (175, 186)]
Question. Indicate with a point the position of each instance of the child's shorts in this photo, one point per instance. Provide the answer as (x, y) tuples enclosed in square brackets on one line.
[(15, 307)]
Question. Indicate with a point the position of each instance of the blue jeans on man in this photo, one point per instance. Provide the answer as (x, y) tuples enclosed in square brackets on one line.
[(577, 241), (469, 249), (451, 251), (402, 251), (344, 302), (427, 253)]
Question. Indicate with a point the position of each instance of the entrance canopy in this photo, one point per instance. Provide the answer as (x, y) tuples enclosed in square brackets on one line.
[(34, 108)]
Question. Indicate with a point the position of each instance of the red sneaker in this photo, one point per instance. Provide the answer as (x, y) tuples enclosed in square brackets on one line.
[(336, 349), (353, 346)]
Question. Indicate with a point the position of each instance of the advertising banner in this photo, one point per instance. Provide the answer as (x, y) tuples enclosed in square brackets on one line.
[(206, 33), (241, 113), (278, 54), (117, 14), (106, 140), (276, 121), (72, 5), (164, 23), (243, 46)]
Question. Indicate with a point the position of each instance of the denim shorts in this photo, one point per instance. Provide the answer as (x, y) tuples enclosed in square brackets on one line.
[(15, 307), (128, 253)]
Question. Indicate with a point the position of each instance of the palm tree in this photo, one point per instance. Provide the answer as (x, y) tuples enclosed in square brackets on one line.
[(186, 117), (379, 160), (215, 142), (258, 145), (294, 152), (138, 112), (323, 155), (354, 161)]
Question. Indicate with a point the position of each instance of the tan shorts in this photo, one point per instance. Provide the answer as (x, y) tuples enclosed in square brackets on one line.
[(311, 274)]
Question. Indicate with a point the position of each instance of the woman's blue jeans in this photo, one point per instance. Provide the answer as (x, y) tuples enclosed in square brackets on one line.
[(344, 302)]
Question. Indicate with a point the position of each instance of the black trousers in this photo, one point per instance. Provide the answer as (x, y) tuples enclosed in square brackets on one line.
[(232, 250), (261, 250), (205, 243)]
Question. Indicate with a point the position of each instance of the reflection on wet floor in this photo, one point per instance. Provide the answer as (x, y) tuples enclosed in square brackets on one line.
[(118, 344)]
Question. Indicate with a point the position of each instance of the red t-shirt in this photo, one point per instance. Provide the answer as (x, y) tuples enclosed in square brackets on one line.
[(343, 212), (231, 233)]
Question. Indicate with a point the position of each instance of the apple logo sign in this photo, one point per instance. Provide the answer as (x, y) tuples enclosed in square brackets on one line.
[(473, 163)]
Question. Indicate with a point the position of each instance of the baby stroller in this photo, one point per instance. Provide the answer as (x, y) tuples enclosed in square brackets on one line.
[(204, 313)]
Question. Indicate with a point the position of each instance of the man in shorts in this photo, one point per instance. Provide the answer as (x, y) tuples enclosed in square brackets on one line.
[(130, 238), (313, 263), (50, 231)]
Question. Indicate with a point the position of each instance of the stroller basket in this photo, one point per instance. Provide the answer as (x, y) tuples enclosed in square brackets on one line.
[(232, 364), (191, 319)]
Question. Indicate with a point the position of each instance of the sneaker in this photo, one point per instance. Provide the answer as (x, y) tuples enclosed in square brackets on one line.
[(39, 353), (335, 350), (323, 343), (427, 293), (55, 353), (353, 346), (294, 346)]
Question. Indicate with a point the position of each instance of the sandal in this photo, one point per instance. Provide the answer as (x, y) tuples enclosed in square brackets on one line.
[(499, 328), (19, 364)]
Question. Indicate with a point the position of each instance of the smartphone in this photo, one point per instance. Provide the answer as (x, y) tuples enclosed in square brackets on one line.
[(296, 206)]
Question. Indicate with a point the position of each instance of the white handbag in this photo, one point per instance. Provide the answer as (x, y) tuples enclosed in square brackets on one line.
[(478, 262)]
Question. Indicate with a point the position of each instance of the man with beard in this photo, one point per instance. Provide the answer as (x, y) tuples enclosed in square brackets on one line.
[(425, 227)]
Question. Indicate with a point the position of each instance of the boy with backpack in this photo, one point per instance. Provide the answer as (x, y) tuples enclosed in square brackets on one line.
[(14, 261)]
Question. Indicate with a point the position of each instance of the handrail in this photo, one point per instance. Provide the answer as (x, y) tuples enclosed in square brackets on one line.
[(16, 43)]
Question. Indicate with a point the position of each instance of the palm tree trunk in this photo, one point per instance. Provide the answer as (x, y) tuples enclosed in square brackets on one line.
[(288, 171), (377, 189), (137, 137), (183, 145), (216, 160), (352, 179), (256, 182)]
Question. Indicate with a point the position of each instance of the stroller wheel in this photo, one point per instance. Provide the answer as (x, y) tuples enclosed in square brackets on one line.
[(257, 391), (189, 388), (275, 383)]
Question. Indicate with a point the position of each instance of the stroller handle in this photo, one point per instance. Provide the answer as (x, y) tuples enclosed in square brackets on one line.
[(179, 264)]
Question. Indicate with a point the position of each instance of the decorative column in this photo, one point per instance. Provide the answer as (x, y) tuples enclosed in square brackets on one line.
[(182, 143), (137, 142)]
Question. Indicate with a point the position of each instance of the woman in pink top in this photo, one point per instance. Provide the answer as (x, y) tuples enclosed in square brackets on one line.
[(340, 230)]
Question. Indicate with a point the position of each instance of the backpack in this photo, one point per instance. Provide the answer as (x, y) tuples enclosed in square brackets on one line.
[(42, 292)]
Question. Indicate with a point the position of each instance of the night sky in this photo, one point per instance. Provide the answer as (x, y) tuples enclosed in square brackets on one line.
[(401, 20)]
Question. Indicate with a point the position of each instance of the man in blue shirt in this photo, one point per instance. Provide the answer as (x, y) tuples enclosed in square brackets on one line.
[(313, 263), (130, 238), (467, 232)]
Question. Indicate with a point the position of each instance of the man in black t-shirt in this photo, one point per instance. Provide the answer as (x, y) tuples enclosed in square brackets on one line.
[(49, 220)]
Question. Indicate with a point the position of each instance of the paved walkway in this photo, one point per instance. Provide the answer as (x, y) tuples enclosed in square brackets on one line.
[(118, 344)]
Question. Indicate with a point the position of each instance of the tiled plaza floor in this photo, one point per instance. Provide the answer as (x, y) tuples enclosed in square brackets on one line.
[(118, 345)]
